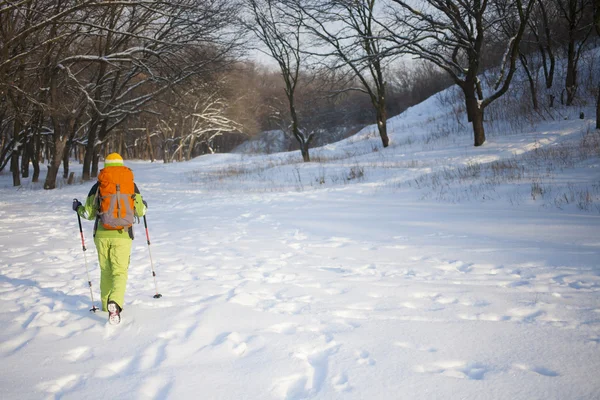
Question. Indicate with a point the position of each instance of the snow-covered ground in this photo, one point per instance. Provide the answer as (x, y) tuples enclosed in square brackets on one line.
[(427, 270)]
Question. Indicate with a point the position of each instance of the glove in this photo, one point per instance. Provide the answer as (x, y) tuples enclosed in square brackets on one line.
[(145, 204), (76, 204)]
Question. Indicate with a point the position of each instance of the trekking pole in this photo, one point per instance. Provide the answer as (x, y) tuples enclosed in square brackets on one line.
[(87, 271), (157, 295)]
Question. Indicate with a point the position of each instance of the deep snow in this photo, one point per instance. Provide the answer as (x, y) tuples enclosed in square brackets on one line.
[(369, 274)]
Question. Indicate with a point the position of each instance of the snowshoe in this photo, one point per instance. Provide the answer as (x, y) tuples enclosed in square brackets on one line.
[(114, 313)]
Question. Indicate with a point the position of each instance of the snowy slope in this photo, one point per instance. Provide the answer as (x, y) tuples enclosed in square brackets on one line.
[(427, 270)]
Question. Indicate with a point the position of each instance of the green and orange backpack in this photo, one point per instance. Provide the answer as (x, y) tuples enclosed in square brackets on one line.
[(116, 196)]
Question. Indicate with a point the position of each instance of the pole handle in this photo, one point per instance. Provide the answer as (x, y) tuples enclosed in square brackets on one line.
[(147, 234), (81, 233)]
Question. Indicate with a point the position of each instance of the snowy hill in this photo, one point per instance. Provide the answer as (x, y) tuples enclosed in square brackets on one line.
[(427, 270), (277, 141), (267, 142)]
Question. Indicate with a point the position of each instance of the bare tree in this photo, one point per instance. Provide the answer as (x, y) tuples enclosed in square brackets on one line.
[(199, 118), (543, 16), (537, 49), (209, 121), (18, 97), (278, 26), (576, 15), (452, 34), (349, 37), (597, 26)]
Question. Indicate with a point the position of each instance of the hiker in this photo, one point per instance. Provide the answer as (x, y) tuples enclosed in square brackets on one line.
[(114, 202)]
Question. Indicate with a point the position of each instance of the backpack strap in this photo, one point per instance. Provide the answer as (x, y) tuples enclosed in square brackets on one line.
[(97, 195), (136, 191), (96, 204)]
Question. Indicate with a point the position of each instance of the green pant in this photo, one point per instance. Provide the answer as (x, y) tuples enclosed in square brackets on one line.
[(113, 257)]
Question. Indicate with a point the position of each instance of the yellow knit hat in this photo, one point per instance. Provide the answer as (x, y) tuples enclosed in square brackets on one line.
[(113, 160)]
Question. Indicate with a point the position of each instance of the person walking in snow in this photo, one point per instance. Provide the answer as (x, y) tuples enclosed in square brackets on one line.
[(114, 202)]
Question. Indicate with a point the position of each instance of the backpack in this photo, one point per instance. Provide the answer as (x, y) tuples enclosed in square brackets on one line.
[(116, 195)]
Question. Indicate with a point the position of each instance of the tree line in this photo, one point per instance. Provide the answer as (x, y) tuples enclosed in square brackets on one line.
[(171, 79)]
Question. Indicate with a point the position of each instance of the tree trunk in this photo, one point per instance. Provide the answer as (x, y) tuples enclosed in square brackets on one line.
[(532, 86), (382, 122), (478, 129), (95, 161), (571, 80), (68, 146), (470, 104), (304, 151), (97, 149), (65, 161), (50, 182), (14, 167), (35, 157), (550, 78), (304, 145), (36, 172), (48, 153), (475, 114), (90, 148), (190, 151), (533, 91), (296, 129), (60, 142), (598, 109), (120, 145), (14, 158), (3, 149), (150, 150), (25, 157)]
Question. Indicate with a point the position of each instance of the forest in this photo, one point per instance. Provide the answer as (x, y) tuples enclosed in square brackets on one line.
[(171, 80)]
